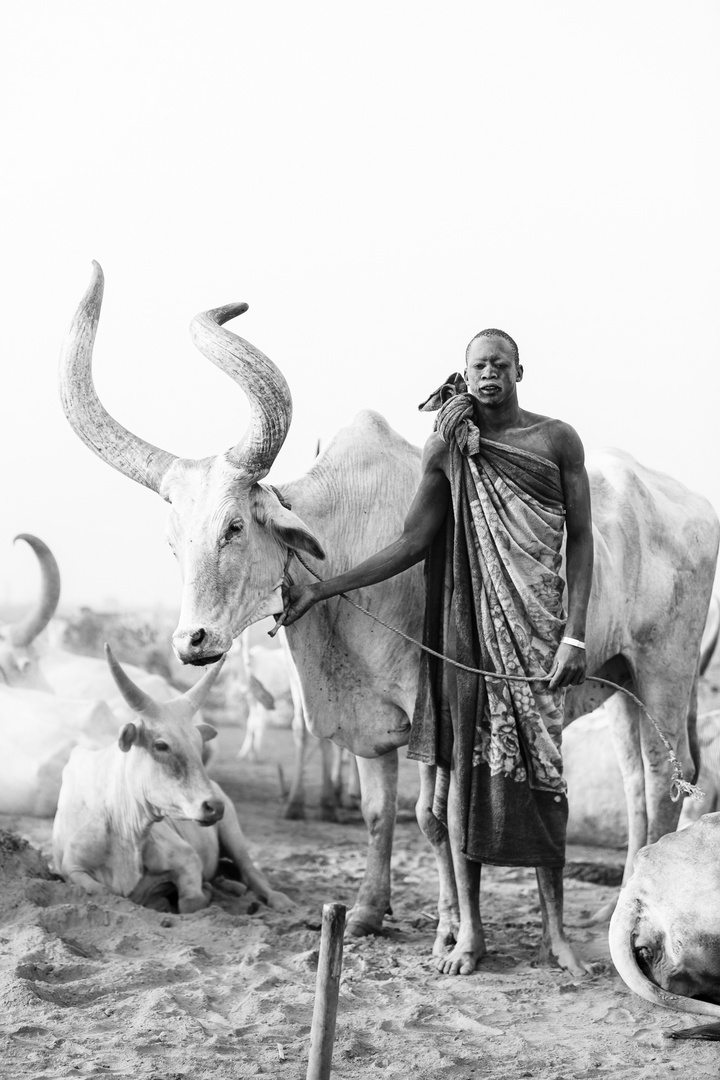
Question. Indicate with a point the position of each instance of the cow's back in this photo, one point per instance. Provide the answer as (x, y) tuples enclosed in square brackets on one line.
[(655, 555)]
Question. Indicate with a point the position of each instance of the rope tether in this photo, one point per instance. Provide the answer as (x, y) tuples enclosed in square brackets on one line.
[(678, 785)]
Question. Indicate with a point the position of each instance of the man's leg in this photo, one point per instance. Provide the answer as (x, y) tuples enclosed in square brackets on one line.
[(470, 942), (554, 943)]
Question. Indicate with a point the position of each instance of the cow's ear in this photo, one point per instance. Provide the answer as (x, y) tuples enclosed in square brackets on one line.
[(286, 526), (206, 731), (128, 736)]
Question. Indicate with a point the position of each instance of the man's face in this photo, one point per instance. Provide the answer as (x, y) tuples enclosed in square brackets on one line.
[(492, 372)]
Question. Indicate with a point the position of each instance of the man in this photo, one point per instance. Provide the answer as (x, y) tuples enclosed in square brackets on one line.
[(499, 487)]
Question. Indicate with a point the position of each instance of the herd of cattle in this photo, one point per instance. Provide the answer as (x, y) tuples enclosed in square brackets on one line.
[(135, 749)]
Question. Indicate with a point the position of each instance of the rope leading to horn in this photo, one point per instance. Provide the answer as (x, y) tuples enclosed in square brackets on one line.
[(678, 785)]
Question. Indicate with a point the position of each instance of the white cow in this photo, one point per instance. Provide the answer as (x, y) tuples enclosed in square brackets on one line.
[(269, 679), (37, 733), (665, 932), (655, 554), (143, 812), (28, 662), (597, 804)]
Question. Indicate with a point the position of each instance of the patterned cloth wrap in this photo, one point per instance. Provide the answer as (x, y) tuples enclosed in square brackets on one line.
[(495, 602)]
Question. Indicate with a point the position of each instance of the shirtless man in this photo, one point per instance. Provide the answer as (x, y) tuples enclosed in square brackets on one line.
[(493, 469)]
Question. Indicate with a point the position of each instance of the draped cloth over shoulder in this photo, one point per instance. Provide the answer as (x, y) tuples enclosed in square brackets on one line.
[(495, 602)]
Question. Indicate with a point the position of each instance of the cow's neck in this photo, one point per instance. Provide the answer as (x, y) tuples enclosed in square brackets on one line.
[(128, 812)]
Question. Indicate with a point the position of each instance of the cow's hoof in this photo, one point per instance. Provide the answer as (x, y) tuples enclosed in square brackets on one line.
[(278, 901), (294, 812), (358, 928), (328, 812), (194, 903)]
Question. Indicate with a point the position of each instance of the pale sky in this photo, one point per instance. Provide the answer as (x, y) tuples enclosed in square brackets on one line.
[(379, 181)]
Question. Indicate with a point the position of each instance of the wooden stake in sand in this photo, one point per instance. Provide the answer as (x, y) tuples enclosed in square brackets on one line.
[(322, 1033)]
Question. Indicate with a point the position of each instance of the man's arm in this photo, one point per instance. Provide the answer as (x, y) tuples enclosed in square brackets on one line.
[(424, 518), (569, 666)]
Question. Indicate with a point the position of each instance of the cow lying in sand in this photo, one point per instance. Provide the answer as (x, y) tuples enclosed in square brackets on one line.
[(143, 812), (665, 931)]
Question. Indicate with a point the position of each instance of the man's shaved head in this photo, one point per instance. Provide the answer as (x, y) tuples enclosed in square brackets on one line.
[(495, 333)]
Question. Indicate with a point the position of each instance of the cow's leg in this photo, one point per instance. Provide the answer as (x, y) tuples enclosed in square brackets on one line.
[(250, 749), (353, 792), (331, 775), (378, 782), (167, 854), (234, 846), (625, 733), (435, 831), (295, 803), (673, 706), (85, 881), (470, 938)]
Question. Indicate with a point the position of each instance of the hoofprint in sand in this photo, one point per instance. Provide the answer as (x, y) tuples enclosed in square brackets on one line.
[(96, 987)]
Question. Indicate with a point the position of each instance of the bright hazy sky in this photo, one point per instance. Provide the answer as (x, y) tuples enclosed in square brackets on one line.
[(378, 181)]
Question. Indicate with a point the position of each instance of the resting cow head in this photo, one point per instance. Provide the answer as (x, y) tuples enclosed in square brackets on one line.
[(167, 769), (665, 931), (229, 531), (18, 660)]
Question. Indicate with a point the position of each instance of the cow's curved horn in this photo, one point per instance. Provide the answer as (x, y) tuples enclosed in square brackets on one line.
[(88, 418), (622, 925), (23, 632), (137, 699), (265, 387)]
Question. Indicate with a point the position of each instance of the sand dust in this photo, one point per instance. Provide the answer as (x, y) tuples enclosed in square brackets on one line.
[(102, 988)]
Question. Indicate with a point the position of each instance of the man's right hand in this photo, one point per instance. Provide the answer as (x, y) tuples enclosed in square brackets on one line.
[(297, 599)]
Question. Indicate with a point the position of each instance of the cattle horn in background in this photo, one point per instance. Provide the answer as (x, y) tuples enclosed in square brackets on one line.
[(24, 632), (264, 385)]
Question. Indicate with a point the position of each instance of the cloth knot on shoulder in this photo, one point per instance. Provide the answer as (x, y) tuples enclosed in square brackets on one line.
[(455, 419)]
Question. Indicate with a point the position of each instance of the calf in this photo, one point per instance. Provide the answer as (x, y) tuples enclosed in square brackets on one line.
[(143, 812)]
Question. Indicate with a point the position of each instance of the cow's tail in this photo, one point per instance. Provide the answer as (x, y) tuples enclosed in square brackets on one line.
[(622, 925)]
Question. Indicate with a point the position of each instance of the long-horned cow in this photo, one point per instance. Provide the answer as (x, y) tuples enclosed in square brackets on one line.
[(656, 549), (665, 931), (26, 663), (143, 812)]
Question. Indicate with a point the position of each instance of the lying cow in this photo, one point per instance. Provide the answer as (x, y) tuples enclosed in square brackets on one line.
[(143, 812), (37, 734), (665, 931)]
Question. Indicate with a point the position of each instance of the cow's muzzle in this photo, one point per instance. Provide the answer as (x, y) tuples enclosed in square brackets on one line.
[(200, 645), (211, 812)]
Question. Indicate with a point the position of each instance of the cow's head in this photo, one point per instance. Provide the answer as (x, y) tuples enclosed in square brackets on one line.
[(167, 769), (230, 533), (665, 931), (19, 664)]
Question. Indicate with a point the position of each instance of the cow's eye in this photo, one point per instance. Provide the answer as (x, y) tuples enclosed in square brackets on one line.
[(233, 530), (161, 745)]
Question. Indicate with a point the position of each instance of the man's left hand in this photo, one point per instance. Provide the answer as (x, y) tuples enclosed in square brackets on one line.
[(569, 667)]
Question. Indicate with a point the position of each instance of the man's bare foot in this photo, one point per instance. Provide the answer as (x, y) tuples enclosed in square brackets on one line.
[(463, 959), (563, 954), (445, 936)]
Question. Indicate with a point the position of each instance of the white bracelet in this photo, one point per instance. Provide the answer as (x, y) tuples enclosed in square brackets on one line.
[(573, 641)]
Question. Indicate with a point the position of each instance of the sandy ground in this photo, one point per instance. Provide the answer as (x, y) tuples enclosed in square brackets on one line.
[(103, 988)]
